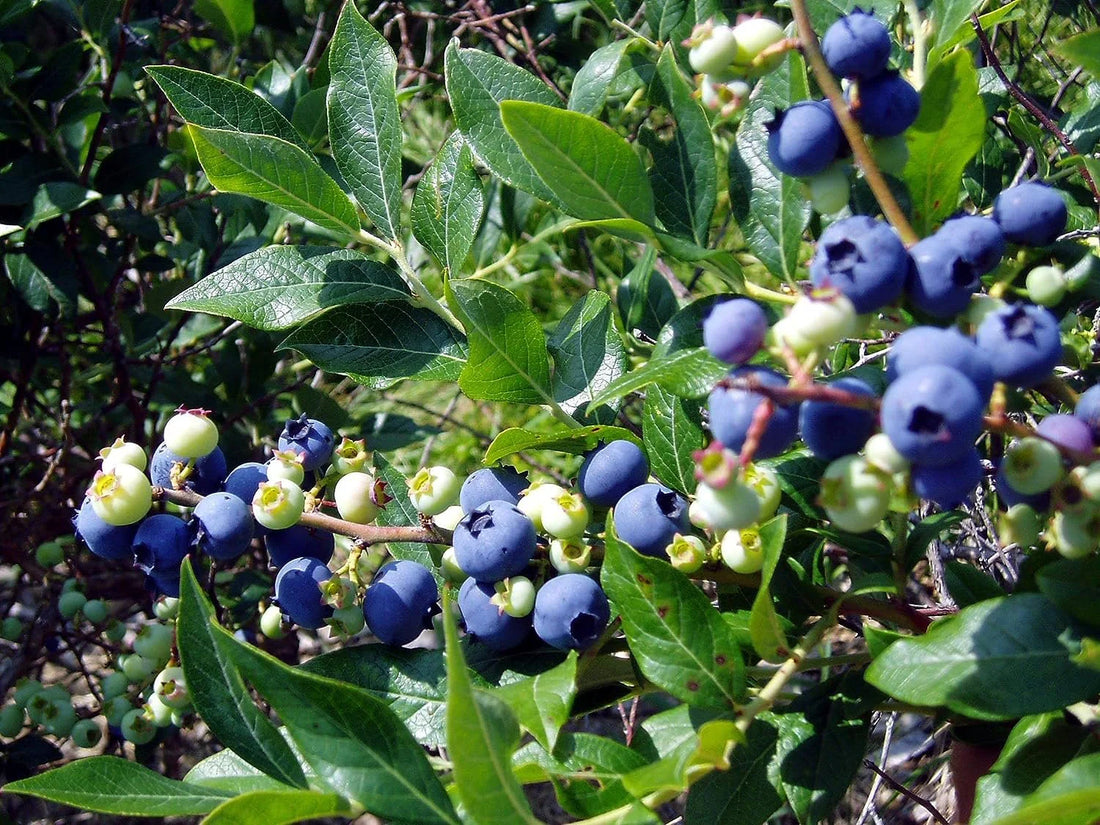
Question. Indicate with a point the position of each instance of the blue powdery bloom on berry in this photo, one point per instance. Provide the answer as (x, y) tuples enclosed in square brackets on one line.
[(856, 46), (888, 105), (804, 139), (105, 540), (1088, 409), (948, 485), (942, 280), (485, 621), (979, 240), (612, 470), (830, 429), (1023, 342), (491, 484), (494, 541), (298, 541), (571, 611), (864, 259), (298, 592), (932, 415), (223, 525), (649, 517), (160, 543), (732, 410), (205, 477), (310, 438), (924, 346), (400, 602), (1031, 213), (734, 330), (245, 480)]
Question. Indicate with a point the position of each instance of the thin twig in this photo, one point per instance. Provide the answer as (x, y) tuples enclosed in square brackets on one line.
[(908, 794)]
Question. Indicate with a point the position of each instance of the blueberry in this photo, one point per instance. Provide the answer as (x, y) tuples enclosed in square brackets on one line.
[(857, 45), (491, 484), (611, 470), (161, 542), (297, 541), (1010, 496), (298, 591), (400, 602), (734, 330), (941, 280), (732, 411), (1030, 213), (831, 430), (649, 516), (206, 476), (494, 541), (1087, 409), (932, 415), (485, 621), (888, 105), (310, 438), (223, 526), (245, 480), (163, 584), (571, 611), (1023, 342), (950, 484), (979, 240), (923, 346), (105, 540), (804, 139), (1067, 431), (864, 259)]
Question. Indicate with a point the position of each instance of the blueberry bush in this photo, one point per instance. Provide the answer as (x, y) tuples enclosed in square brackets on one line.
[(597, 411)]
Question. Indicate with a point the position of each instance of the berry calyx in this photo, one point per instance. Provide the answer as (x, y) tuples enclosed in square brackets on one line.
[(278, 504)]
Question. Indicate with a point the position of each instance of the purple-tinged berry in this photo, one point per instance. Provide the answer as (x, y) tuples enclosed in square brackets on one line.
[(298, 592), (298, 541), (1031, 213), (485, 621), (400, 602), (1067, 431), (310, 438), (571, 611), (492, 484), (494, 540), (105, 540), (948, 485), (932, 415), (223, 526), (831, 429), (924, 346), (733, 331), (1023, 342), (856, 46), (732, 412), (160, 544), (649, 517), (864, 259), (804, 139), (888, 105), (613, 469)]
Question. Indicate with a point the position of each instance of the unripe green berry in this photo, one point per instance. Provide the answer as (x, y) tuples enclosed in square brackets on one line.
[(286, 464), (713, 49), (565, 516), (115, 630), (1019, 525), (115, 709), (742, 551), (166, 608), (11, 629), (278, 504), (137, 668), (686, 553), (138, 727), (154, 642), (171, 687), (95, 611), (449, 518), (190, 434), (25, 689), (881, 454), (114, 684), (764, 481), (570, 555), (70, 603), (271, 623), (60, 717), (1075, 535), (733, 506), (451, 569), (1046, 285), (123, 452), (12, 717), (433, 489), (49, 553), (1032, 465), (355, 497), (347, 621), (121, 496), (829, 191), (349, 456), (86, 733), (891, 154), (514, 596), (855, 495), (534, 501), (753, 36)]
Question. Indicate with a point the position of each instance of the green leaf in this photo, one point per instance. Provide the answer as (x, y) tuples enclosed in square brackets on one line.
[(277, 808), (689, 373), (968, 585), (542, 703), (588, 355), (823, 13), (591, 86), (768, 637), (679, 639), (684, 174), (36, 287), (697, 757), (412, 682), (1073, 585), (645, 298), (219, 693), (381, 344), (508, 360), (447, 207), (237, 18), (595, 173), (998, 659), (574, 440), (310, 118), (930, 529), (364, 125), (279, 287), (672, 429), (476, 84), (399, 512), (482, 735), (109, 785), (1070, 797), (743, 794), (225, 771), (948, 132), (1082, 50), (770, 207), (55, 199), (950, 16), (216, 103), (351, 739), (274, 171)]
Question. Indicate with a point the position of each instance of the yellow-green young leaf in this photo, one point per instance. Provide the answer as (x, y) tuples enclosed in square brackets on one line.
[(1070, 797), (274, 171), (1082, 50), (110, 785), (277, 808), (482, 735), (765, 627), (447, 207), (575, 440), (237, 18), (594, 172), (279, 287), (948, 132), (689, 373), (364, 124)]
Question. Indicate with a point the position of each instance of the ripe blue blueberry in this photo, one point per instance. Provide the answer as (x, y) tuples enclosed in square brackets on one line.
[(400, 602), (494, 541), (648, 518), (732, 410), (932, 415), (1067, 431), (310, 438), (831, 430), (491, 484), (950, 484), (1030, 213), (734, 330), (571, 611), (978, 239), (887, 106), (487, 622), (223, 526), (1087, 409), (161, 542), (864, 259), (297, 541), (611, 470), (941, 281), (804, 139), (245, 479), (105, 540), (1023, 342), (298, 591), (923, 346), (205, 477), (857, 45)]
